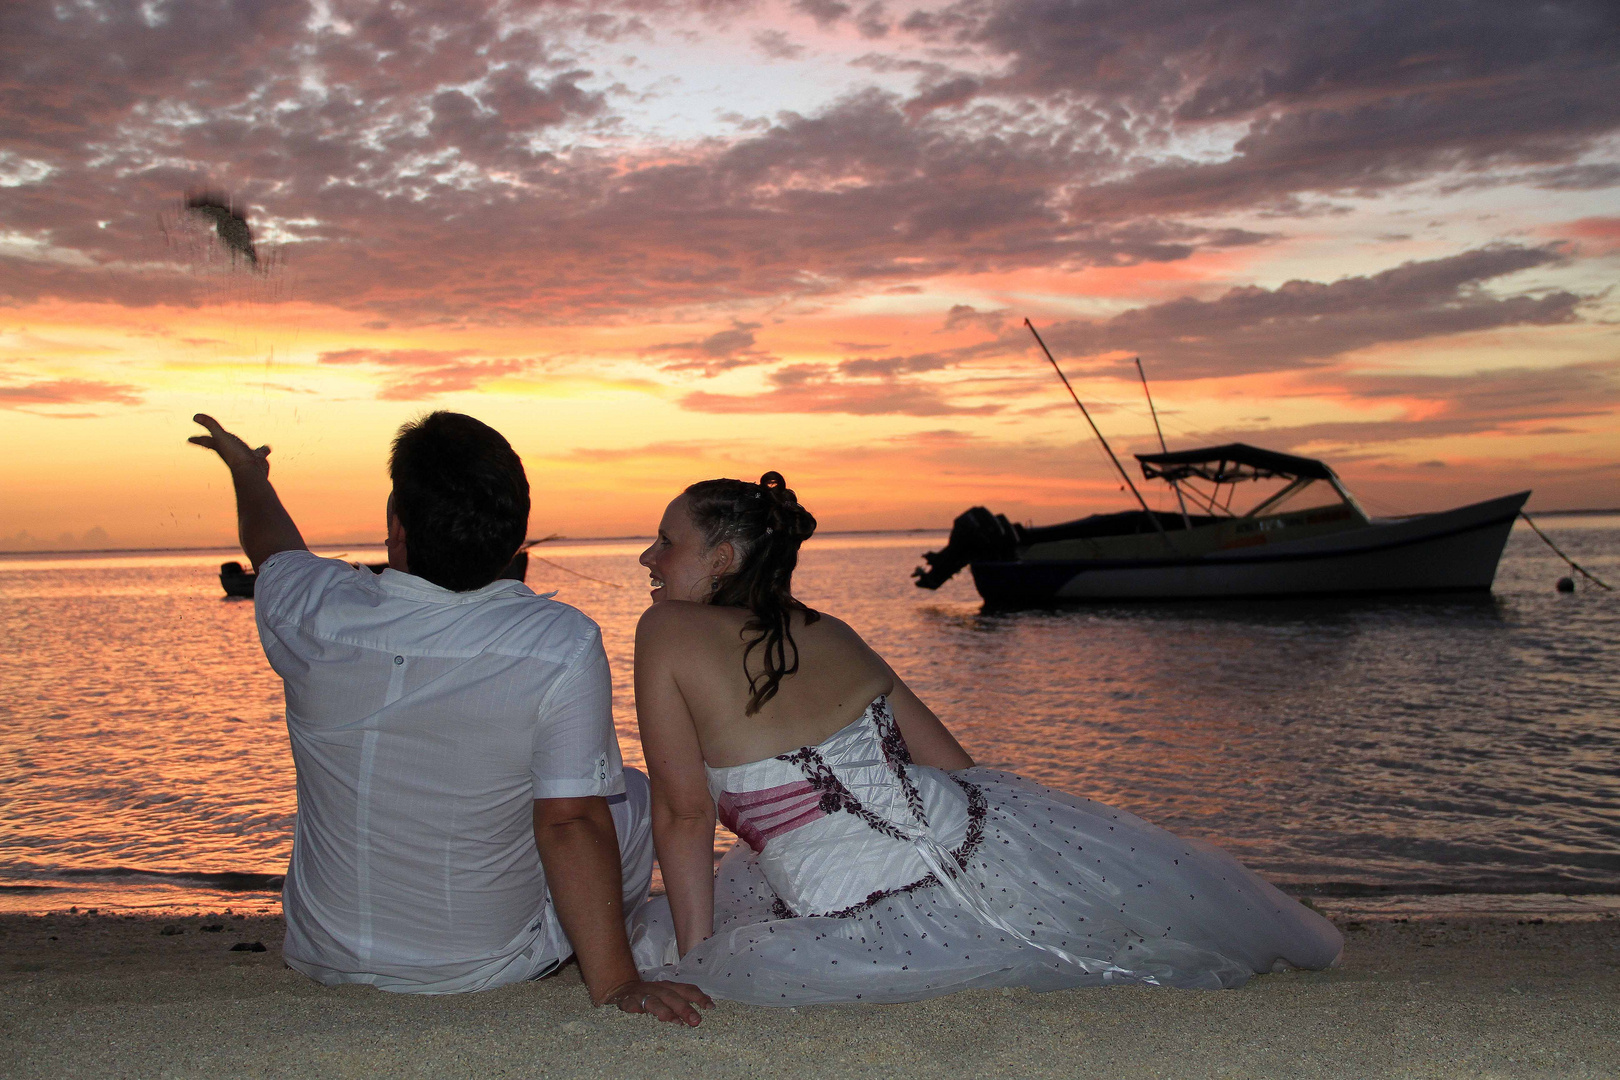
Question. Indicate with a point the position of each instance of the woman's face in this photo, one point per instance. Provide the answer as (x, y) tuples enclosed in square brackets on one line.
[(682, 568)]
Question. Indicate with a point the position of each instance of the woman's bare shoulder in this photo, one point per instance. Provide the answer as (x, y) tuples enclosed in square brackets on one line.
[(831, 627), (679, 619)]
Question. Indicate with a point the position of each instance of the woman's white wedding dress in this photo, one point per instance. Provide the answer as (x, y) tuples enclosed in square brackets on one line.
[(864, 876)]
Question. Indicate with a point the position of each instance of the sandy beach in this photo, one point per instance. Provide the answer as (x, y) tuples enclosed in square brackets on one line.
[(118, 996)]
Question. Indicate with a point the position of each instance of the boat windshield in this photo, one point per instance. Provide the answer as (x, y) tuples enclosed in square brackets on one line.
[(1273, 496)]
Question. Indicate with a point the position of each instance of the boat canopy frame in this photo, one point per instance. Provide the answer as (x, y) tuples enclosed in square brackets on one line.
[(1230, 463), (1233, 463)]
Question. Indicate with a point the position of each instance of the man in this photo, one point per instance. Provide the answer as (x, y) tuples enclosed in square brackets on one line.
[(464, 820)]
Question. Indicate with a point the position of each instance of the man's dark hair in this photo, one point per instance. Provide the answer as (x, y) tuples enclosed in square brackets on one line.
[(460, 492)]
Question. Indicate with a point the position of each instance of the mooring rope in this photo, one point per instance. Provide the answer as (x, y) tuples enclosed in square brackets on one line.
[(1556, 551), (599, 581), (528, 548)]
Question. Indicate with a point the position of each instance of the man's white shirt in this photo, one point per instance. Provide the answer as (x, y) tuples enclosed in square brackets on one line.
[(424, 723)]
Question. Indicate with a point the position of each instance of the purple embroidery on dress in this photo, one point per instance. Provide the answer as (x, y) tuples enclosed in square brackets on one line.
[(977, 808), (897, 755), (836, 797)]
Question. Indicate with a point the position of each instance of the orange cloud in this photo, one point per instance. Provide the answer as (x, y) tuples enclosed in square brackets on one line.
[(67, 392)]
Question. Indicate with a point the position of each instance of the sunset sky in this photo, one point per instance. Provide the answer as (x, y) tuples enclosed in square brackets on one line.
[(654, 242)]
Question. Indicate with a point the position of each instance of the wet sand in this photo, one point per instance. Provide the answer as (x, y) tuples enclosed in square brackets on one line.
[(110, 996)]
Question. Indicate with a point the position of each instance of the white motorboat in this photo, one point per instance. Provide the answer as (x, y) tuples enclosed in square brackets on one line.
[(1307, 535)]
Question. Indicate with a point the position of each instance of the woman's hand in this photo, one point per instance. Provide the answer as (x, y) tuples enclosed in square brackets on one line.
[(669, 1001)]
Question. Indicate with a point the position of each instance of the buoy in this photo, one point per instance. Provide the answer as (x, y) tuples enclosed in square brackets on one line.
[(1566, 584)]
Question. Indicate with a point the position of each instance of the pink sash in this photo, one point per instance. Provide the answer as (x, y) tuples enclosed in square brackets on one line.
[(758, 816)]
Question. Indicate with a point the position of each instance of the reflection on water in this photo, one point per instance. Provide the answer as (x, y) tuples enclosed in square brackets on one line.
[(1371, 751)]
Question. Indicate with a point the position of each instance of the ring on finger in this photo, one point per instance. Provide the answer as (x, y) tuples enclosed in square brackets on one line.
[(644, 998)]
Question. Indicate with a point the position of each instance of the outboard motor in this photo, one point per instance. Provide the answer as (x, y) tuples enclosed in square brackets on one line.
[(976, 536)]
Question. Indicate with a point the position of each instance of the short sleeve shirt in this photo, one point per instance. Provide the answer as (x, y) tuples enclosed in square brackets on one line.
[(424, 723)]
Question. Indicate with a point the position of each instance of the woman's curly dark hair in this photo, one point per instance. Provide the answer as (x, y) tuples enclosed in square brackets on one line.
[(765, 525)]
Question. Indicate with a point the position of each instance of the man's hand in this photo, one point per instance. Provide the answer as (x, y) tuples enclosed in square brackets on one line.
[(262, 522), (579, 849), (236, 454), (669, 1001)]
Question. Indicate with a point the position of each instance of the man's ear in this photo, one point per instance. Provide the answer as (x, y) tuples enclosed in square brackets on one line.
[(397, 548)]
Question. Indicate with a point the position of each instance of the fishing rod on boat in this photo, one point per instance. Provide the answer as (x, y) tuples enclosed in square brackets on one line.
[(1157, 524), (1137, 360), (1180, 501)]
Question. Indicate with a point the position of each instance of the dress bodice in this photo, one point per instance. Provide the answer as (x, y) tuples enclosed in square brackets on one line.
[(843, 823)]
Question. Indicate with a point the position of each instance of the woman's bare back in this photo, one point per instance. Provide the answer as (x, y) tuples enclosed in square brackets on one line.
[(838, 677)]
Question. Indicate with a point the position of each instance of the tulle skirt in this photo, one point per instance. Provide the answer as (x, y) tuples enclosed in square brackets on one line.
[(1058, 892)]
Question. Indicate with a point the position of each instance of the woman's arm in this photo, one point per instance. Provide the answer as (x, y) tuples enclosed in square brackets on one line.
[(682, 811), (929, 740)]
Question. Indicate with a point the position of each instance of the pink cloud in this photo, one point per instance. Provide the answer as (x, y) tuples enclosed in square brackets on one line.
[(68, 392), (1306, 323), (449, 378), (1593, 235), (716, 352), (811, 388), (419, 374)]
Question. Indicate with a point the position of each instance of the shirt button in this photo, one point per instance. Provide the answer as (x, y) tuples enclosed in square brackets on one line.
[(399, 659)]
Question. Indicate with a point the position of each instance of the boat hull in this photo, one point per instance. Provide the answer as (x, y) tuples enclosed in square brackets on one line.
[(1452, 551)]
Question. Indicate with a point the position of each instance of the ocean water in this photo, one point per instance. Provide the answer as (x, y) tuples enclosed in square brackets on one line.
[(1378, 756)]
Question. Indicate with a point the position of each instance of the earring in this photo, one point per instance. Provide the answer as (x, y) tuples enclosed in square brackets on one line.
[(714, 583)]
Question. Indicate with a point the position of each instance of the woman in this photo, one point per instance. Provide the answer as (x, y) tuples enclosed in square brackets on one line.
[(879, 863)]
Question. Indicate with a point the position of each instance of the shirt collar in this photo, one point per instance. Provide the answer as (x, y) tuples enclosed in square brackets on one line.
[(400, 583)]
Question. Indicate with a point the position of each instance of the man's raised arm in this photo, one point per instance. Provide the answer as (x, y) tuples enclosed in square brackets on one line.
[(262, 523)]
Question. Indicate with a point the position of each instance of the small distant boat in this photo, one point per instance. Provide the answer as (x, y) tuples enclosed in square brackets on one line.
[(1328, 545), (238, 581)]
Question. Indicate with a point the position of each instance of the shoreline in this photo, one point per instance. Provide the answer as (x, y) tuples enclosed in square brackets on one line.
[(131, 995), (155, 898)]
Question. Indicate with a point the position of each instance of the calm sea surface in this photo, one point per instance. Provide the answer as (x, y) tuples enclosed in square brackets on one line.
[(1413, 755)]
